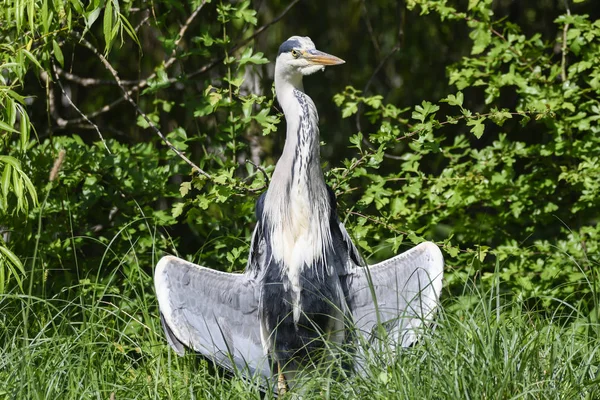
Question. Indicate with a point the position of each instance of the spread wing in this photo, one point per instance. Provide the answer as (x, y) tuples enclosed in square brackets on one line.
[(214, 313), (401, 293)]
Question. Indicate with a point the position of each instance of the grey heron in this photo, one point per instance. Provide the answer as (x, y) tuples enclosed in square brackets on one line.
[(305, 281)]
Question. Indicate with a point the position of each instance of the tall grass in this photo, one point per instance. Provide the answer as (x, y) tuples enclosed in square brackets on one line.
[(93, 341)]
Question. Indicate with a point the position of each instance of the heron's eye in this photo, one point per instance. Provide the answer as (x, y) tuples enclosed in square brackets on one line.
[(295, 53)]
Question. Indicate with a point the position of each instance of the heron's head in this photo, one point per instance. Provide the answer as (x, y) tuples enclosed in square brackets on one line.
[(298, 56)]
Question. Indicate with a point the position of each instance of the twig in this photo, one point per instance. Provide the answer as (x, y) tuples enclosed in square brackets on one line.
[(261, 169), (51, 100), (143, 21), (370, 28), (85, 82), (61, 122), (245, 41), (127, 97), (378, 222), (181, 33), (141, 84), (385, 59), (346, 172), (381, 64), (461, 117), (563, 64), (396, 48)]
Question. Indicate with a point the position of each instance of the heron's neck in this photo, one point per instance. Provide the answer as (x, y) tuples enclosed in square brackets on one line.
[(284, 88), (297, 203), (300, 163)]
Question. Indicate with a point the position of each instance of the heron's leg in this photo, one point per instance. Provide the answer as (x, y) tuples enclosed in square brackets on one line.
[(281, 384)]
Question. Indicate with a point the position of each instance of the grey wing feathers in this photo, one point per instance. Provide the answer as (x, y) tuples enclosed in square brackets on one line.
[(406, 290), (214, 313)]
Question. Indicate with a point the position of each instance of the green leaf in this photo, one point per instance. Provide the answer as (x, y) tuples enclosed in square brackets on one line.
[(184, 188), (356, 140), (482, 253), (477, 127), (108, 25), (482, 37), (248, 57), (472, 4), (6, 175), (177, 209), (58, 53), (4, 126), (374, 101), (45, 19), (13, 264), (350, 108), (454, 100), (160, 81), (129, 29), (141, 121), (24, 127), (92, 17), (246, 14), (31, 58), (266, 121), (424, 110), (14, 260)]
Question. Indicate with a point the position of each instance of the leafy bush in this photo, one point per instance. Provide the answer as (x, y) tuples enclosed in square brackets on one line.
[(500, 170), (515, 183)]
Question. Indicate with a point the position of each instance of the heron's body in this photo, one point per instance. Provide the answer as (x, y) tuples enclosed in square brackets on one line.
[(302, 297), (304, 282)]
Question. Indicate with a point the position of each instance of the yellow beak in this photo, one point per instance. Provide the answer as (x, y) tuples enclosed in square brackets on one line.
[(317, 57)]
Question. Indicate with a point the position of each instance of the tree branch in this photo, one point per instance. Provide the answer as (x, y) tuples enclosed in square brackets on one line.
[(143, 83), (563, 63), (385, 59), (86, 82), (244, 42), (127, 97), (60, 121)]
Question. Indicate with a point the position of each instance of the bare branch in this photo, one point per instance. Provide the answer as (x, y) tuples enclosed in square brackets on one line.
[(358, 127), (62, 89), (85, 82), (245, 41), (563, 63), (385, 59), (143, 83), (181, 33), (370, 28), (261, 169), (127, 97), (143, 21), (93, 82)]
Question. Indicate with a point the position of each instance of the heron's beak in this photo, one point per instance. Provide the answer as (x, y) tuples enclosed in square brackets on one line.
[(316, 57)]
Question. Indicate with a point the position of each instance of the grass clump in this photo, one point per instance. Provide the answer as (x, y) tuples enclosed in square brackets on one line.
[(99, 344)]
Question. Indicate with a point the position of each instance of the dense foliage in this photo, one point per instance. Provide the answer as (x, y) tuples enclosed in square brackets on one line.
[(498, 165), (130, 129)]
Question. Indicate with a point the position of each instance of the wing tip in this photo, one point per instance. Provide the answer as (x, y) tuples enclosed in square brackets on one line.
[(434, 254), (161, 280), (173, 341), (163, 263), (436, 261), (162, 289)]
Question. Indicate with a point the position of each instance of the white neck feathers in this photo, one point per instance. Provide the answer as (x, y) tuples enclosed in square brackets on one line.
[(297, 208)]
